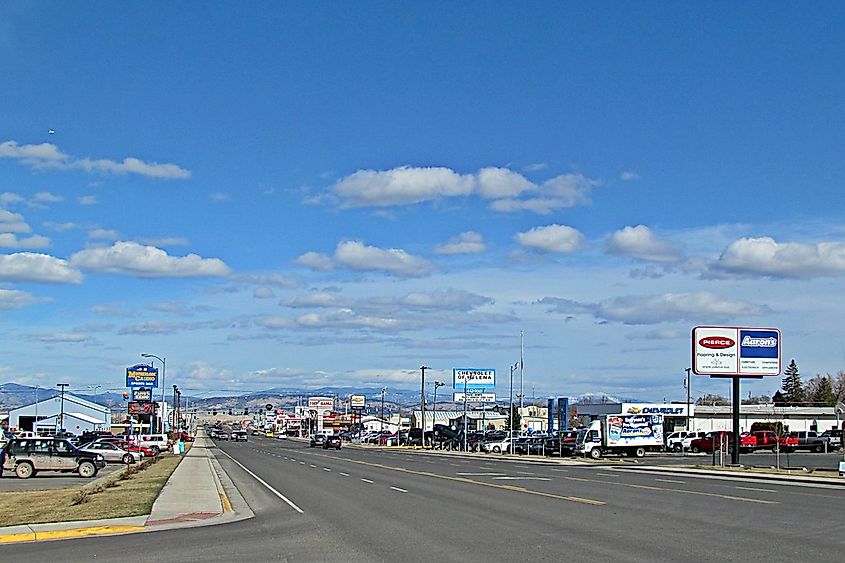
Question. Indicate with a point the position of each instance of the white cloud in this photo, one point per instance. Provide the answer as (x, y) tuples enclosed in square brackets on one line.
[(765, 257), (465, 243), (167, 241), (61, 227), (401, 186), (131, 258), (640, 242), (31, 267), (700, 308), (263, 292), (535, 167), (496, 183), (509, 190), (103, 234), (316, 300), (628, 176), (219, 197), (14, 299), (87, 200), (552, 238), (47, 155), (7, 198), (47, 197), (62, 337), (275, 279), (357, 256), (315, 261), (13, 222), (10, 240)]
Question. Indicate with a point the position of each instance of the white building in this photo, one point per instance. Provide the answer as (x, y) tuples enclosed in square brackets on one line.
[(51, 415), (819, 419)]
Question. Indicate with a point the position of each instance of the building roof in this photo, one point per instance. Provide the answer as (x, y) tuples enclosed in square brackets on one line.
[(764, 410)]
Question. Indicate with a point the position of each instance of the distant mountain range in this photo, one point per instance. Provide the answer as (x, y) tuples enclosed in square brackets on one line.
[(13, 395)]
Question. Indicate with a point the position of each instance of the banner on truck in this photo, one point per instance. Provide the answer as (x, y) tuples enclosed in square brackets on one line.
[(632, 430)]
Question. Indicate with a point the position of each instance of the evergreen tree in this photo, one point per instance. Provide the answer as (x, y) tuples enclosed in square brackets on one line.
[(820, 392), (793, 389), (778, 399)]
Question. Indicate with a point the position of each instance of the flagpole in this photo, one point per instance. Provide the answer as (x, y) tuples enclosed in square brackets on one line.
[(521, 373)]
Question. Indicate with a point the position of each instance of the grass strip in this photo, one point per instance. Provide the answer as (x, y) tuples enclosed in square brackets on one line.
[(126, 493)]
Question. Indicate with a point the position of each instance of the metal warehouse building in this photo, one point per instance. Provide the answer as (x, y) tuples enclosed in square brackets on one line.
[(77, 416)]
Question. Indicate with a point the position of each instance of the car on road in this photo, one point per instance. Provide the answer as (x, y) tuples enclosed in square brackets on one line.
[(27, 456), (317, 440), (222, 436), (239, 436), (111, 452), (281, 435), (332, 442)]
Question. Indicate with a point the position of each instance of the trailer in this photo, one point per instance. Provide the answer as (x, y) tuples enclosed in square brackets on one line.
[(621, 434)]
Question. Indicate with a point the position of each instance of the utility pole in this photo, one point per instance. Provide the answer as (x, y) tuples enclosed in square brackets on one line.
[(62, 406), (437, 384), (383, 389), (521, 372), (422, 401), (688, 370)]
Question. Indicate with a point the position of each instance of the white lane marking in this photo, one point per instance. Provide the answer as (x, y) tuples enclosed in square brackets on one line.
[(366, 480), (301, 463), (521, 479), (344, 474), (671, 481), (560, 470), (398, 489), (326, 469), (607, 475), (265, 483), (312, 465), (478, 474), (756, 489)]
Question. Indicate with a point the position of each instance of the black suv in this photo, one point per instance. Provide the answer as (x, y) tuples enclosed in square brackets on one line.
[(317, 440), (28, 456), (332, 442)]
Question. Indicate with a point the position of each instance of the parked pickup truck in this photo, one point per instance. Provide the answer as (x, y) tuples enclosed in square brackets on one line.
[(835, 437), (808, 440)]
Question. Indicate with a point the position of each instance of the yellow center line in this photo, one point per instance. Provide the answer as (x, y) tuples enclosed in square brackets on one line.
[(682, 491)]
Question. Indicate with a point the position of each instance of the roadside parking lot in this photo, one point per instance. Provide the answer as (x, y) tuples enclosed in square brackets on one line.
[(52, 480)]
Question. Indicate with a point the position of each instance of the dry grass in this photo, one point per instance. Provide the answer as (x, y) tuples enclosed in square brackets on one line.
[(129, 492)]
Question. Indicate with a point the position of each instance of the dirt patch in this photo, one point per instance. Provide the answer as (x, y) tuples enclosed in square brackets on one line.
[(129, 492)]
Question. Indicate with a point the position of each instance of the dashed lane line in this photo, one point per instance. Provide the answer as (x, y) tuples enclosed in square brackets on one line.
[(367, 480), (399, 490), (671, 481)]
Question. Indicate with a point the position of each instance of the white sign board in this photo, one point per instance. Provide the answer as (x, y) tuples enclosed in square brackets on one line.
[(357, 402), (736, 351), (476, 397), (666, 409), (473, 377), (320, 402)]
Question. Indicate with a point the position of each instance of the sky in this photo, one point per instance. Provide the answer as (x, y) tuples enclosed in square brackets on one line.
[(310, 194)]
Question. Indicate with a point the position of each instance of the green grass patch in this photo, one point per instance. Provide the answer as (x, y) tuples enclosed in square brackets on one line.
[(129, 492)]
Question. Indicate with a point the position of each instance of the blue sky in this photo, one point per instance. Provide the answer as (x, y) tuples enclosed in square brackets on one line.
[(300, 195)]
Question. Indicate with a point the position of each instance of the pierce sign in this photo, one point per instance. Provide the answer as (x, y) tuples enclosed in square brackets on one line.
[(736, 351)]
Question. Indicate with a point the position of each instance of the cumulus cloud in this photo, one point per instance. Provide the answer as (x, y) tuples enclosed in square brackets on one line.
[(551, 238), (355, 255), (315, 261), (509, 190), (640, 242), (628, 176), (131, 258), (13, 222), (103, 234), (263, 292), (32, 267), (469, 242), (10, 240), (764, 257), (47, 155), (14, 299), (63, 337), (274, 279), (47, 197), (702, 307)]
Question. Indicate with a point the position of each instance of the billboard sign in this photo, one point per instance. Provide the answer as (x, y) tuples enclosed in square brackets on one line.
[(142, 394), (134, 407), (736, 351), (357, 402), (142, 375), (479, 397), (320, 403), (473, 377), (562, 413)]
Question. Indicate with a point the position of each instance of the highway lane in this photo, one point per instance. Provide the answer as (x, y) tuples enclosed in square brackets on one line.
[(377, 505)]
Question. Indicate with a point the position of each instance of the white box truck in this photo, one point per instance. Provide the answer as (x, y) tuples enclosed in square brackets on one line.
[(622, 434)]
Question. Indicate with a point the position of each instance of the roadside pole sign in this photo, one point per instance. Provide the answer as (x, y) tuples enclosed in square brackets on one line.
[(473, 377), (736, 351), (481, 396), (357, 402)]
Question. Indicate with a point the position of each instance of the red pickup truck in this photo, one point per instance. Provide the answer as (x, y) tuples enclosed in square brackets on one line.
[(748, 441)]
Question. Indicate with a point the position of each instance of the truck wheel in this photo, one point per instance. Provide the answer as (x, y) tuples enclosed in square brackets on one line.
[(87, 469), (694, 449), (678, 447), (24, 470), (818, 449), (639, 452), (595, 453)]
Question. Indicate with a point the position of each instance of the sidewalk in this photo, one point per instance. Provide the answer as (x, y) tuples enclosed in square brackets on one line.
[(198, 493)]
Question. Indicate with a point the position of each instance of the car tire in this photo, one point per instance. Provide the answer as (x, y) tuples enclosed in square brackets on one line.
[(24, 470), (86, 469), (496, 449), (128, 458), (595, 453), (677, 448), (694, 449), (818, 449)]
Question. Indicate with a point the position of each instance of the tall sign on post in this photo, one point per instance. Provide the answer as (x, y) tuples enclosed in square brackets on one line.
[(734, 353)]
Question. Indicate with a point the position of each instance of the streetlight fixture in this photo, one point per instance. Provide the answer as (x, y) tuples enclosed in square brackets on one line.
[(163, 373), (174, 409), (510, 415), (383, 390), (437, 384), (62, 406)]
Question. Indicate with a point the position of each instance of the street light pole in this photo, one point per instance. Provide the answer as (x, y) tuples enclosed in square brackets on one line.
[(163, 374), (422, 401), (62, 406), (510, 414), (383, 389), (434, 416), (688, 370)]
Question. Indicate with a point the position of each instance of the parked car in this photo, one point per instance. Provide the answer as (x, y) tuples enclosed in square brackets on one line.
[(239, 436), (497, 446), (711, 441), (808, 440), (332, 442), (678, 441), (317, 440), (111, 452), (156, 442), (834, 437), (27, 456)]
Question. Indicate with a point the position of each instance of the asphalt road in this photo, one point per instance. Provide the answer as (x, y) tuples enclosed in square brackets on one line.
[(376, 505)]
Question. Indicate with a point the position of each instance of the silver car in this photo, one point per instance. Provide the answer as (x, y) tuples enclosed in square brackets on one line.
[(111, 452)]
